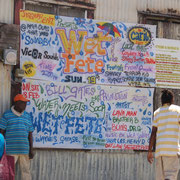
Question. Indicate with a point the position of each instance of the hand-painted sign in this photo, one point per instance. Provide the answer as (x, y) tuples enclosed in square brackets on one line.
[(167, 63), (140, 36), (89, 116), (78, 50)]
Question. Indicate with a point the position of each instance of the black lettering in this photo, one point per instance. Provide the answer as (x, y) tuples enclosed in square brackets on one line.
[(67, 79)]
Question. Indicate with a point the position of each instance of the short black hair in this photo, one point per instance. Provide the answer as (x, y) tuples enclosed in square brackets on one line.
[(167, 97)]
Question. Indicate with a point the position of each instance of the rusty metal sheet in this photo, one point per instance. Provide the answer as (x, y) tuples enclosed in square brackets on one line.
[(127, 10)]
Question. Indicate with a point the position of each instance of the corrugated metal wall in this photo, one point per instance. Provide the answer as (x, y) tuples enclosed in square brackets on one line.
[(6, 16), (5, 87), (163, 6), (59, 164), (9, 37), (127, 10), (6, 11), (116, 10), (90, 165)]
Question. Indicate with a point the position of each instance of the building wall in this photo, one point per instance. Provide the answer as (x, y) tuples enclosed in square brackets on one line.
[(6, 17), (9, 37), (72, 8), (6, 11), (69, 164), (5, 87), (90, 165), (127, 10), (116, 10), (53, 9), (162, 6)]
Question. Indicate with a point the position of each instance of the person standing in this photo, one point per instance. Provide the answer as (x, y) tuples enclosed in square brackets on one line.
[(17, 128), (166, 134), (1, 145)]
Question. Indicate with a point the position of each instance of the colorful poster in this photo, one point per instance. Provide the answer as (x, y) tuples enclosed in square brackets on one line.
[(86, 116), (74, 50), (167, 63)]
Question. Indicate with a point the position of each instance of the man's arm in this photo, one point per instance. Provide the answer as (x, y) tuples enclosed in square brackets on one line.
[(31, 153), (151, 144), (2, 132)]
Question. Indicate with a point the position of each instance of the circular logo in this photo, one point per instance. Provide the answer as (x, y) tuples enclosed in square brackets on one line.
[(139, 36), (29, 68)]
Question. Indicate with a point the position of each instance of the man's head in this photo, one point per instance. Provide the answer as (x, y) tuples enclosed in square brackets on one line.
[(167, 97), (20, 103)]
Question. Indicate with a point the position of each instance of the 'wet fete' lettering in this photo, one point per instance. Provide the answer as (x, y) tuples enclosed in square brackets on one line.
[(73, 115), (87, 51)]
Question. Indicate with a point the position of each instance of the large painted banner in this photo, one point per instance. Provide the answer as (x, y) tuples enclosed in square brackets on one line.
[(65, 49), (86, 116), (167, 63)]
